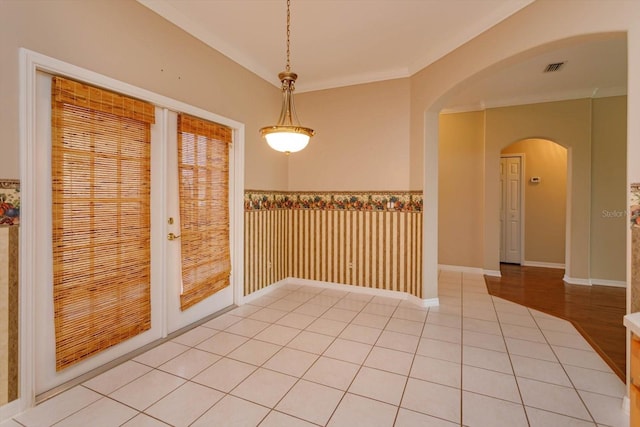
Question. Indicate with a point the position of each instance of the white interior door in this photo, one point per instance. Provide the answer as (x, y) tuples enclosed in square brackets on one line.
[(510, 212), (166, 315)]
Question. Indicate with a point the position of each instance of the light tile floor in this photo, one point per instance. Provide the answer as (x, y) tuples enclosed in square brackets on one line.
[(305, 356)]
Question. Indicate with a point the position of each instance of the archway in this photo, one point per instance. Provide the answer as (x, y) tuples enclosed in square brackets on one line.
[(504, 44), (533, 176), (569, 123)]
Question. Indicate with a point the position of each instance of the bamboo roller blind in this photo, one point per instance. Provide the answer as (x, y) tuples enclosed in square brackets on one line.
[(101, 218), (203, 168)]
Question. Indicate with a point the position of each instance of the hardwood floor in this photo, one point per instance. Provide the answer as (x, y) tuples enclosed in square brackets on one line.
[(596, 311)]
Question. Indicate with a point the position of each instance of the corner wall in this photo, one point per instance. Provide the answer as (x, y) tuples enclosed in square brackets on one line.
[(461, 185), (370, 239)]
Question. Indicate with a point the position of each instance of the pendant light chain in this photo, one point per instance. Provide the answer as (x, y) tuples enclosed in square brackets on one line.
[(288, 35)]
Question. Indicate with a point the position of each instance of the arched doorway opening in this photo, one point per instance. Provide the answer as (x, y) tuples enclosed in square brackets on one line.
[(593, 130), (533, 201)]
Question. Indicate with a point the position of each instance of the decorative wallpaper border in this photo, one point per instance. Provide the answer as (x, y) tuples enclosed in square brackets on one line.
[(635, 205), (9, 202), (395, 201)]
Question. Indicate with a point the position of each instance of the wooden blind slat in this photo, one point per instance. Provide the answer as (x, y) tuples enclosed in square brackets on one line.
[(82, 95), (203, 167), (101, 185)]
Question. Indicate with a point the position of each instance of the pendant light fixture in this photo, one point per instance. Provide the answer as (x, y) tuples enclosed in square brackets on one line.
[(288, 135)]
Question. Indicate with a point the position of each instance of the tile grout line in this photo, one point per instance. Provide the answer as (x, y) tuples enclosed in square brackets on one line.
[(307, 370), (320, 355), (362, 363), (297, 379), (461, 348), (564, 370), (187, 380), (461, 284), (228, 393), (511, 364), (513, 370), (404, 389)]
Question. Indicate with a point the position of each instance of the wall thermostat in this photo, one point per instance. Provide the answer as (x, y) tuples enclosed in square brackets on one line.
[(535, 180)]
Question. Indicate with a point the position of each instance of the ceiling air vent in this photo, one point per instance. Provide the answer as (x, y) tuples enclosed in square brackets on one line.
[(553, 67)]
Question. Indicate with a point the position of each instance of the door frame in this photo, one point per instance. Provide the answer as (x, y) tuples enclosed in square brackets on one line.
[(522, 158), (30, 63)]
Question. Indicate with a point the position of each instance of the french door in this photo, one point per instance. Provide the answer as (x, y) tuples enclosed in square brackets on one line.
[(165, 251), (177, 318)]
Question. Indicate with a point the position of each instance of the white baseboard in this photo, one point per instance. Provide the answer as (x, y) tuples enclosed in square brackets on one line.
[(576, 281), (12, 409), (568, 279), (543, 264), (430, 302), (473, 270), (349, 288), (614, 283), (357, 289), (460, 268), (262, 292), (626, 405), (492, 273), (598, 282)]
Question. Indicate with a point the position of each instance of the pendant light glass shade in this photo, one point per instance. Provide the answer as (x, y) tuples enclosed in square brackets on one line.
[(288, 136), (286, 140)]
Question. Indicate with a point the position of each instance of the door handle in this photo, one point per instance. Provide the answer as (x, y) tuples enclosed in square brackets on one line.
[(172, 236)]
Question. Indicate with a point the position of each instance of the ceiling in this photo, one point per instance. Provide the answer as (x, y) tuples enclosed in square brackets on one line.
[(337, 43)]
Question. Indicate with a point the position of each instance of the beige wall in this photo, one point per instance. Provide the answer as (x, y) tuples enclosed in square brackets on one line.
[(461, 178), (609, 195), (567, 123), (545, 202), (362, 139), (595, 133), (531, 29), (126, 41), (162, 58)]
